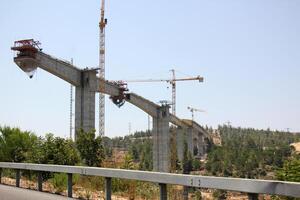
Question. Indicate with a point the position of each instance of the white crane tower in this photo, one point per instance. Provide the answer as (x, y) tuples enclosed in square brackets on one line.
[(102, 24), (194, 110)]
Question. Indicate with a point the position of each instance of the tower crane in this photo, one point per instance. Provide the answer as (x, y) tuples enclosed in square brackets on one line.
[(194, 110), (171, 81), (102, 24)]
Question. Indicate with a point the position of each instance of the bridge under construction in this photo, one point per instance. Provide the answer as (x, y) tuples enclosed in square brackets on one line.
[(88, 82), (29, 57)]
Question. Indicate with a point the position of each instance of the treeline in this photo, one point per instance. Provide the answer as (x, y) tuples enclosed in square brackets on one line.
[(25, 146), (250, 153), (138, 145)]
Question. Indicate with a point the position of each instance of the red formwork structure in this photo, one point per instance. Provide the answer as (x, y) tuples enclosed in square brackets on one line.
[(26, 48), (26, 55), (120, 99)]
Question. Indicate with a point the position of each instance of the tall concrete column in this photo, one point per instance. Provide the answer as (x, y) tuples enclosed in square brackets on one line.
[(161, 140), (190, 140), (185, 135), (85, 102), (180, 138), (200, 144)]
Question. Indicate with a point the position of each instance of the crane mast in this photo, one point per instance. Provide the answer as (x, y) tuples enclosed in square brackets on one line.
[(193, 110), (102, 25)]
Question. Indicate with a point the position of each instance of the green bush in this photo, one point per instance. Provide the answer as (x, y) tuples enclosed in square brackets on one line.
[(219, 194), (290, 170), (59, 182), (90, 148)]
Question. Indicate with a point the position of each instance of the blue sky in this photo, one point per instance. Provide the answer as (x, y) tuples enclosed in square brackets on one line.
[(248, 52)]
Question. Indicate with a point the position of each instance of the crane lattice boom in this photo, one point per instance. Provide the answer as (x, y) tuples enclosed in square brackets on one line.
[(171, 81), (102, 25)]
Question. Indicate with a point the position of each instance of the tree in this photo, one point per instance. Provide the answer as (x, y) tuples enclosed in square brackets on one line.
[(146, 162), (16, 145), (128, 162), (134, 152), (130, 185), (56, 150), (90, 148), (196, 164), (250, 153), (290, 170)]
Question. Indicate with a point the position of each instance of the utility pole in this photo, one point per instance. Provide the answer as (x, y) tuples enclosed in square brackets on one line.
[(129, 128), (228, 123), (173, 83), (149, 123), (71, 107)]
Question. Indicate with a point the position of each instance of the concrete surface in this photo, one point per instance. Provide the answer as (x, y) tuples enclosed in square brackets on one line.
[(14, 193)]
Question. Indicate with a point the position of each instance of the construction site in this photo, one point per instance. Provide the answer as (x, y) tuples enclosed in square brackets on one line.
[(89, 81), (195, 157)]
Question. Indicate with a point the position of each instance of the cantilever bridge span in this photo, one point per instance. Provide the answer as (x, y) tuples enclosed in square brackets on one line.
[(30, 57)]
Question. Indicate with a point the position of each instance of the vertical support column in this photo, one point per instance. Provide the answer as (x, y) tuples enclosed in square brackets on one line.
[(85, 102), (163, 194), (40, 182), (107, 188), (252, 196), (200, 144), (70, 192), (0, 175), (190, 140), (161, 140), (180, 137), (18, 177), (185, 193)]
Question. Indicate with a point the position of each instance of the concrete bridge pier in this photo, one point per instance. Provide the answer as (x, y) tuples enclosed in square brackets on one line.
[(190, 139), (161, 140), (184, 135), (85, 102), (200, 145), (193, 138), (180, 138)]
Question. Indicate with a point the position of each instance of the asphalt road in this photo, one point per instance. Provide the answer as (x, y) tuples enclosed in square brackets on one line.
[(14, 193)]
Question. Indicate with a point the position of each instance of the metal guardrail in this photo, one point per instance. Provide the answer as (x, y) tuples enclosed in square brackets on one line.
[(250, 186)]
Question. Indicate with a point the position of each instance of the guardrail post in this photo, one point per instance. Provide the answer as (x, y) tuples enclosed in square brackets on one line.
[(18, 177), (163, 191), (0, 175), (70, 185), (40, 182), (252, 196), (107, 188), (185, 193)]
